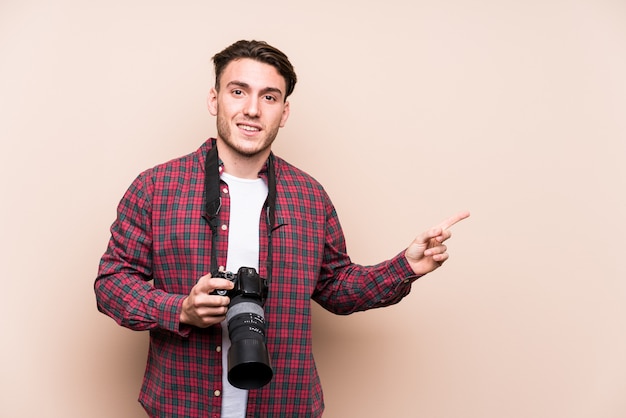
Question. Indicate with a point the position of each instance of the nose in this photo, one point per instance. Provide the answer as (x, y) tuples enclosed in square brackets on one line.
[(252, 109)]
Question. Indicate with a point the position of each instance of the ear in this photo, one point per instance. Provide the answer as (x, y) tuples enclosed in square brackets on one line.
[(211, 101), (285, 116)]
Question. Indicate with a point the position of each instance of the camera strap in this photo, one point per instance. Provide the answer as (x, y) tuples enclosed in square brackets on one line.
[(213, 203)]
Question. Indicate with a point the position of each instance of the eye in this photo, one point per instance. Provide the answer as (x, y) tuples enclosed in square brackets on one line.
[(270, 98), (237, 92)]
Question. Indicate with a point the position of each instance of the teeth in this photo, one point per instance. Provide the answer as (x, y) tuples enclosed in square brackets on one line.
[(248, 128)]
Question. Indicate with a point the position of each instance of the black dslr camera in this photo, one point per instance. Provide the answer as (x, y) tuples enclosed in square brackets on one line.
[(248, 359)]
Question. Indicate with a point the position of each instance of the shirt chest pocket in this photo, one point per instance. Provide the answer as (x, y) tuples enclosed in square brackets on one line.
[(297, 251)]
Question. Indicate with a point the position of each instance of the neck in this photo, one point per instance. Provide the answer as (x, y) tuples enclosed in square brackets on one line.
[(241, 165)]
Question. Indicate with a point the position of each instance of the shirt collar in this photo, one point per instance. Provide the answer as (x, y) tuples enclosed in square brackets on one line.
[(211, 143)]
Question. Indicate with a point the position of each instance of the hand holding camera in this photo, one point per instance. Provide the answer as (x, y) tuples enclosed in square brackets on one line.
[(239, 299), (203, 308)]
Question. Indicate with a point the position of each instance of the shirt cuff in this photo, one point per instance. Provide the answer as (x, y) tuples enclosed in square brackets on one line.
[(401, 268), (170, 307)]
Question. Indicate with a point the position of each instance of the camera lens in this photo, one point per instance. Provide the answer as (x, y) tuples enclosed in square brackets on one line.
[(248, 359)]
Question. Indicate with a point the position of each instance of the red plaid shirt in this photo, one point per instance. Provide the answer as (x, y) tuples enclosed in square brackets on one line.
[(160, 235)]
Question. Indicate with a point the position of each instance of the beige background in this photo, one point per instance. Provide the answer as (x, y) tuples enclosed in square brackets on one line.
[(407, 111)]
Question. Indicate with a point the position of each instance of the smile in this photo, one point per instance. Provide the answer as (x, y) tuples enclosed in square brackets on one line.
[(248, 128)]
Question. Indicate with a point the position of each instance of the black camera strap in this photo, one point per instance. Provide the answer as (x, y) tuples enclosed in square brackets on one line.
[(213, 204)]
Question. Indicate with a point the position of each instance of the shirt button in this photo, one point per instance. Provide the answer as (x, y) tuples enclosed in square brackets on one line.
[(224, 227), (225, 190), (218, 349), (217, 393)]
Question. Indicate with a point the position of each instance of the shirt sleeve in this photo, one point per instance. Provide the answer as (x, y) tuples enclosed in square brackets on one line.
[(123, 289), (345, 287)]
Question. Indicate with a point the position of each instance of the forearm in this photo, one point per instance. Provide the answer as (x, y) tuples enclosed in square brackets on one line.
[(136, 304), (344, 289)]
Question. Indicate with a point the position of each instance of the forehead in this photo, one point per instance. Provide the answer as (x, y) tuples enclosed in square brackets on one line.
[(254, 73)]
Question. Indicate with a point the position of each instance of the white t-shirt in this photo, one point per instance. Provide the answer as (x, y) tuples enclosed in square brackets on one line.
[(247, 197)]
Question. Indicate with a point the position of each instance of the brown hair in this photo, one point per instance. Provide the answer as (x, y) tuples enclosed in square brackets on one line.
[(259, 51)]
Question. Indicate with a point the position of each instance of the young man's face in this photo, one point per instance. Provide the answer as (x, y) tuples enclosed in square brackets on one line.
[(250, 107)]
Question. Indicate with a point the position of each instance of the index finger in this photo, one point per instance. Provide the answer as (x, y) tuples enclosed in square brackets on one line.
[(207, 284), (454, 219)]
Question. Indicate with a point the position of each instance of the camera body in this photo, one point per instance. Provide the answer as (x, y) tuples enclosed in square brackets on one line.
[(247, 283), (248, 359)]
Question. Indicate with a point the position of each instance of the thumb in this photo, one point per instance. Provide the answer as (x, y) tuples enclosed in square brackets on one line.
[(421, 243), (425, 237)]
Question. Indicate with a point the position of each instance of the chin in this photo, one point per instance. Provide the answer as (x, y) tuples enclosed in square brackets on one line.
[(247, 149)]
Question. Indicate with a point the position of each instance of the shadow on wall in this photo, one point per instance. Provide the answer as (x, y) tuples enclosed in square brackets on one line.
[(116, 364)]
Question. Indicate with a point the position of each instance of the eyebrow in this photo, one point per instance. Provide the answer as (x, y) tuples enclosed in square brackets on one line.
[(247, 86)]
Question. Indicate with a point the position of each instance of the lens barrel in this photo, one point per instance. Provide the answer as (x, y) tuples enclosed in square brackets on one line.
[(248, 359)]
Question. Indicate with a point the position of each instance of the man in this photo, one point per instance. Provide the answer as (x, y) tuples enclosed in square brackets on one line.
[(231, 204)]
